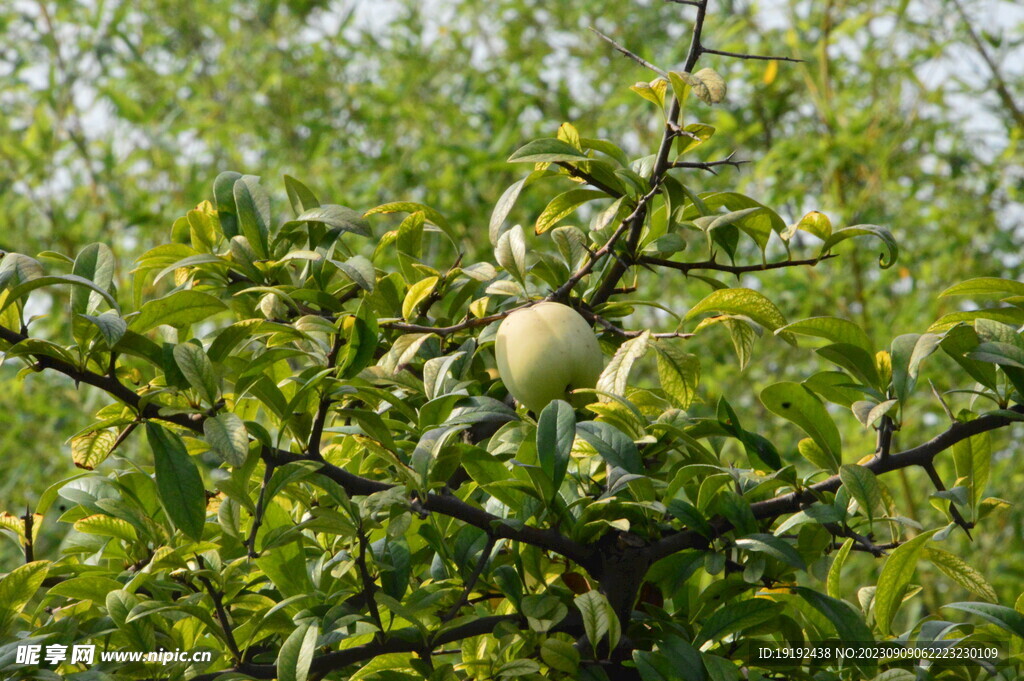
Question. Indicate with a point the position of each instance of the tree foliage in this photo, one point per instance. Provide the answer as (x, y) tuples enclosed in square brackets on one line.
[(313, 471)]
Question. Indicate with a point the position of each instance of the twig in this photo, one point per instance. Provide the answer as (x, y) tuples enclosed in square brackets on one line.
[(562, 292), (732, 269), (473, 577), (339, 659), (623, 333), (369, 586), (619, 267), (222, 613), (317, 431), (922, 455), (933, 475), (885, 431), (29, 547), (857, 547), (860, 541), (353, 484), (708, 165), (1000, 83), (454, 328), (589, 179), (742, 55), (257, 518), (635, 57)]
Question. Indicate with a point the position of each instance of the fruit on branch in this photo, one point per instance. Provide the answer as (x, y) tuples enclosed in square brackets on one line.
[(546, 351)]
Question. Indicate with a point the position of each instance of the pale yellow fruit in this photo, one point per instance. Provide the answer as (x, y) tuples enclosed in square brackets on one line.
[(544, 352)]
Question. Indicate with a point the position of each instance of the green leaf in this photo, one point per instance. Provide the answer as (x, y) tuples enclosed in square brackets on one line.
[(596, 613), (556, 430), (517, 669), (896, 575), (333, 216), (796, 403), (611, 444), (865, 230), (908, 351), (253, 206), (90, 450), (564, 205), (178, 482), (1003, 354), (849, 624), (19, 585), (836, 570), (107, 526), (197, 369), (957, 342), (179, 308), (653, 92), (737, 616), (863, 486), (868, 412), (22, 289), (511, 252), (431, 215), (856, 360), (985, 286), (741, 301), (547, 150), (615, 376), (223, 192), (759, 225), (835, 329), (110, 326), (17, 268), (227, 436), (296, 655), (360, 270), (299, 195), (89, 587), (1003, 617), (973, 460), (708, 86), (817, 224), (95, 262), (690, 516), (1007, 315), (961, 573), (773, 546), (504, 206), (560, 655), (678, 372), (417, 293)]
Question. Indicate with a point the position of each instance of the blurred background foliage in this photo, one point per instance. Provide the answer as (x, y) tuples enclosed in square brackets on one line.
[(117, 116)]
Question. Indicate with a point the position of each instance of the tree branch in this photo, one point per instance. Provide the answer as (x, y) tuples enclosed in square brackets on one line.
[(635, 57), (471, 582), (342, 658), (257, 518), (708, 165), (997, 77), (636, 223), (589, 179), (686, 267), (562, 292), (922, 455), (355, 485), (222, 613), (743, 55), (454, 328)]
